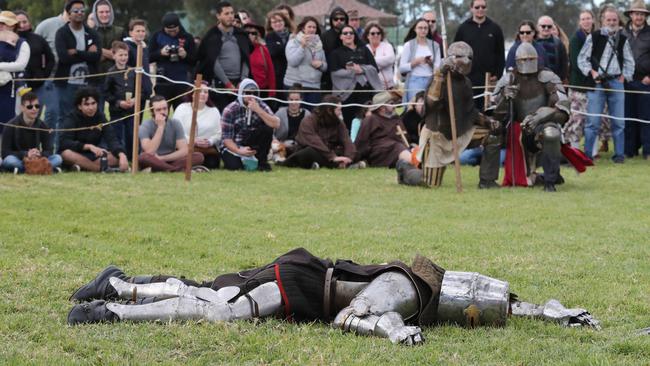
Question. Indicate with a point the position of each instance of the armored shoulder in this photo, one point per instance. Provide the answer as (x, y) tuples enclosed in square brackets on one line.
[(547, 76)]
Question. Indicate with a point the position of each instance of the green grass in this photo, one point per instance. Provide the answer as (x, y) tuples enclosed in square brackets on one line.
[(587, 245)]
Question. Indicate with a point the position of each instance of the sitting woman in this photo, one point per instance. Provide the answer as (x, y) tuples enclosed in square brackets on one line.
[(208, 127), (290, 117), (323, 140)]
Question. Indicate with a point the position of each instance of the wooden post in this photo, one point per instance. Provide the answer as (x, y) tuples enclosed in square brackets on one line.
[(195, 110), (486, 97), (454, 139), (402, 134), (138, 109)]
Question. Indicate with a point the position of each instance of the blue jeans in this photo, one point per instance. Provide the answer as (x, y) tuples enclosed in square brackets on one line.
[(11, 162), (49, 98), (473, 156), (616, 104), (637, 134), (415, 84)]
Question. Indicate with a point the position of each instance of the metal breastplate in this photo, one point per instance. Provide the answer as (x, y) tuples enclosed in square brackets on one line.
[(531, 96)]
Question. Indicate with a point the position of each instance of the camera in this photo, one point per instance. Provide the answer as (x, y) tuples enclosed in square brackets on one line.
[(173, 53)]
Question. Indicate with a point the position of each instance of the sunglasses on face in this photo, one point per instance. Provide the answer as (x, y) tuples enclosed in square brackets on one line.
[(77, 11), (525, 32), (546, 26), (337, 19), (253, 34), (477, 7), (431, 21), (33, 106), (375, 33), (347, 33)]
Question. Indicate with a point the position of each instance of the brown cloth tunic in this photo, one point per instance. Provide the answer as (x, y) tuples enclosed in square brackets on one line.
[(331, 141), (378, 141)]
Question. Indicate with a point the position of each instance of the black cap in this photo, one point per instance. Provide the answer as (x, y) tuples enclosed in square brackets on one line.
[(171, 20)]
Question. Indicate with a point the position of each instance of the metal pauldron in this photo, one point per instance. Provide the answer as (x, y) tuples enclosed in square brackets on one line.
[(472, 299)]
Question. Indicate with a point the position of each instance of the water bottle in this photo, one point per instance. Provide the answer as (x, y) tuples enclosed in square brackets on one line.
[(103, 162)]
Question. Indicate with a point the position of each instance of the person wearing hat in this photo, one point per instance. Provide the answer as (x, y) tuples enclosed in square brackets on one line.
[(355, 21), (637, 105), (14, 56), (261, 64), (382, 136), (173, 50)]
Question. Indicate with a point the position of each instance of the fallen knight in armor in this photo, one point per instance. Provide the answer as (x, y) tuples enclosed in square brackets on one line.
[(472, 127), (390, 300)]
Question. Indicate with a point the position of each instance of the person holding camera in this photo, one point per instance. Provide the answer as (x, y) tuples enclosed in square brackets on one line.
[(420, 57), (606, 59), (173, 50)]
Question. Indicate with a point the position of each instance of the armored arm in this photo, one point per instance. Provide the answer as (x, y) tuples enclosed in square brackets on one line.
[(554, 311), (381, 308)]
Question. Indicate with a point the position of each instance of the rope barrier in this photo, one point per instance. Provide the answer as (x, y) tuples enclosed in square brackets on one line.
[(77, 77)]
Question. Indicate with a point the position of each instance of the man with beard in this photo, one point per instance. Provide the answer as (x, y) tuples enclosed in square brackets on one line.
[(331, 40), (390, 300), (382, 137), (436, 147)]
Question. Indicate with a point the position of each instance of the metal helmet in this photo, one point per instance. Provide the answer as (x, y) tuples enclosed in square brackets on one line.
[(526, 58), (461, 55)]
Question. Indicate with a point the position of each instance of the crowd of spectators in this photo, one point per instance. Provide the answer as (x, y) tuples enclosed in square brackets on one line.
[(78, 64)]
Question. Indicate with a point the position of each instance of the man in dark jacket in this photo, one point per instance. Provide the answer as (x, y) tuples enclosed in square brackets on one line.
[(554, 51), (486, 39), (637, 105), (41, 59), (223, 55), (19, 143), (173, 51), (81, 149), (79, 51), (331, 40)]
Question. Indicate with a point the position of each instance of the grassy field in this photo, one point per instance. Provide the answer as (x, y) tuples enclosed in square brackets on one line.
[(587, 245)]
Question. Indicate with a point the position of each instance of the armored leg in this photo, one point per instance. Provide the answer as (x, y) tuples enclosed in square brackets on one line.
[(551, 154), (554, 311), (171, 288), (380, 310), (490, 163), (262, 301), (408, 174)]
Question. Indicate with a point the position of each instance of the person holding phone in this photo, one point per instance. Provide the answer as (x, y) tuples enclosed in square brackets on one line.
[(420, 57)]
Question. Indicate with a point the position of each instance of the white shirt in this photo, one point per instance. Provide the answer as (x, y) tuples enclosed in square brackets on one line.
[(208, 122)]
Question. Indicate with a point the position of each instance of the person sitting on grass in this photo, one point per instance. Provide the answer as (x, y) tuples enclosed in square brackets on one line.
[(379, 141), (83, 149), (19, 143), (323, 139), (164, 147), (247, 129)]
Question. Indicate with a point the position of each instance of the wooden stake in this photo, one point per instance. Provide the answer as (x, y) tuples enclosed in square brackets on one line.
[(486, 97), (402, 134), (195, 110), (138, 116), (454, 139)]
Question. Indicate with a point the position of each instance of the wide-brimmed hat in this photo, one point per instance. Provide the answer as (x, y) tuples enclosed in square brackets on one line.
[(260, 29), (9, 18), (381, 98), (637, 6)]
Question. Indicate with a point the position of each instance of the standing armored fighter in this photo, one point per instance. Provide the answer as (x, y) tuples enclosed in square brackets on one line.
[(535, 101), (472, 127), (387, 300)]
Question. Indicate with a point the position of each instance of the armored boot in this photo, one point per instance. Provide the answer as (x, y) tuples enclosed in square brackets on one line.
[(91, 312), (408, 174), (99, 287)]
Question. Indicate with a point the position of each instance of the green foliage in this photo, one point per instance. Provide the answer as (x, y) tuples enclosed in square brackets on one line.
[(586, 245)]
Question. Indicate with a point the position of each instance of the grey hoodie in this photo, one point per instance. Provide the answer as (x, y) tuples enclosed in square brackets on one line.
[(96, 19)]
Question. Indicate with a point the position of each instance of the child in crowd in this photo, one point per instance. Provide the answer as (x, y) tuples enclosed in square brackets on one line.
[(356, 122), (119, 89)]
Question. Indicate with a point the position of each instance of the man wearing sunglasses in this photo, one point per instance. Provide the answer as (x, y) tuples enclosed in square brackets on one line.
[(554, 51), (331, 40), (431, 18), (19, 143), (486, 39)]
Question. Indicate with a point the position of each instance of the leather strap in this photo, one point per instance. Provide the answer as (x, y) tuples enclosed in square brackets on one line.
[(327, 300)]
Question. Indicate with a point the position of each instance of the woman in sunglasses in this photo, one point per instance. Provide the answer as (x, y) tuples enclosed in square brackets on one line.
[(260, 61), (383, 52), (355, 76), (526, 33)]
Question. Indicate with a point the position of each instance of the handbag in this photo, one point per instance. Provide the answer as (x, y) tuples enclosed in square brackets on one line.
[(37, 166)]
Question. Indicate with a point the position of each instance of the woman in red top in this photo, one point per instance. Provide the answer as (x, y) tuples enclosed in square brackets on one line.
[(260, 61)]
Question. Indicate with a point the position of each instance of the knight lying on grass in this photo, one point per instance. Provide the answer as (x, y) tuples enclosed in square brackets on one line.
[(387, 300)]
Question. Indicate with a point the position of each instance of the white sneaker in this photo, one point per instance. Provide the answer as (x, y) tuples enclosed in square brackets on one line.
[(75, 168), (15, 171), (200, 169), (146, 170), (57, 170), (315, 166)]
